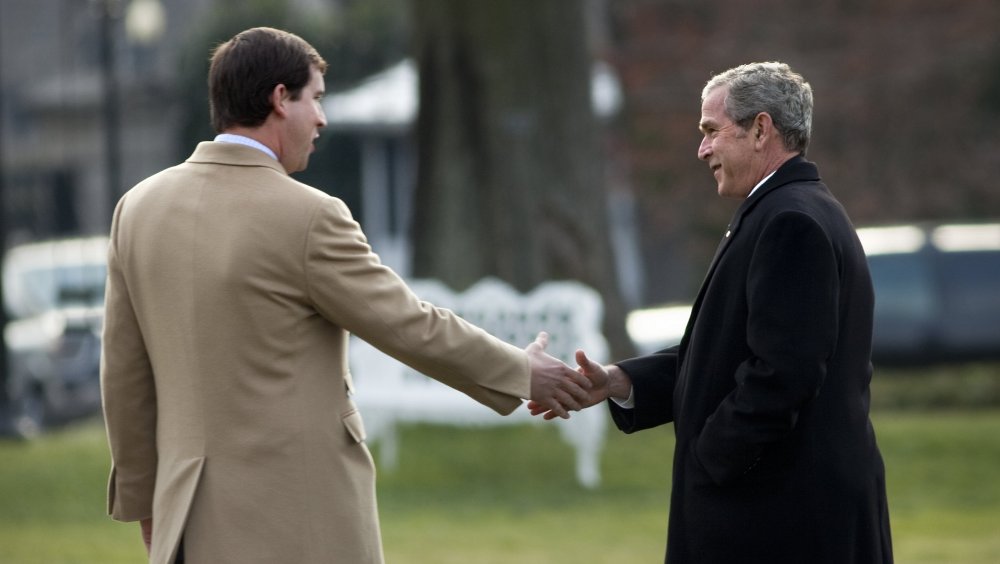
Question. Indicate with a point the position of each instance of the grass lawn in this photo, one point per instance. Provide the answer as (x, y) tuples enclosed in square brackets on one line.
[(508, 494)]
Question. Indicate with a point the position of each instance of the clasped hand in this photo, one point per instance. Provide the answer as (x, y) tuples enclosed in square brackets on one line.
[(557, 389)]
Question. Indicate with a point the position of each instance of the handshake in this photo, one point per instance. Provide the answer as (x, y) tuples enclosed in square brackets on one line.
[(557, 389)]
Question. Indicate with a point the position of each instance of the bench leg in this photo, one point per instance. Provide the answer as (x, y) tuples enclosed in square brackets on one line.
[(388, 447), (585, 433)]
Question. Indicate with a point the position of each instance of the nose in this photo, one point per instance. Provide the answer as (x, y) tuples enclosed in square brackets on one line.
[(705, 149), (320, 116)]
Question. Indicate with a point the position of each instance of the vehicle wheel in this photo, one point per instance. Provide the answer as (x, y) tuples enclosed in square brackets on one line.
[(29, 417)]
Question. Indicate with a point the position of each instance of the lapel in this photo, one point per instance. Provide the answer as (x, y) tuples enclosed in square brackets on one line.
[(793, 170)]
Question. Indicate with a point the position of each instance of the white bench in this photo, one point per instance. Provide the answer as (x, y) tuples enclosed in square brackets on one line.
[(388, 392)]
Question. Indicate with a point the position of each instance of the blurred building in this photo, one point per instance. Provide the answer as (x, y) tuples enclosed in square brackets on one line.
[(87, 107), (907, 108), (90, 104)]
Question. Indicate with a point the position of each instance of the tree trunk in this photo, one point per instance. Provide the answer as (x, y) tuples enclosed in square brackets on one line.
[(510, 176)]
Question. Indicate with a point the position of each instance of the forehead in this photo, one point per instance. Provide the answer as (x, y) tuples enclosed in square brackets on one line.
[(316, 81), (713, 109)]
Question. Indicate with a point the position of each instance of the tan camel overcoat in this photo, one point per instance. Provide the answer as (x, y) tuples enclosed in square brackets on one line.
[(232, 289)]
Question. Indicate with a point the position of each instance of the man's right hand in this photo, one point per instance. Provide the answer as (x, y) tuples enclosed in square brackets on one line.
[(555, 387), (605, 382)]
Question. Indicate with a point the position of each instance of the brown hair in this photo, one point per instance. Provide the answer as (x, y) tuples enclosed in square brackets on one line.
[(245, 70)]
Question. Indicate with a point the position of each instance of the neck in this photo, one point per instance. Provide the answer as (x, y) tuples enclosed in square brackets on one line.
[(774, 163)]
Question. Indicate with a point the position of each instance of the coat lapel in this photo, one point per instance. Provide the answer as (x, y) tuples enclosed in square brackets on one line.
[(793, 170)]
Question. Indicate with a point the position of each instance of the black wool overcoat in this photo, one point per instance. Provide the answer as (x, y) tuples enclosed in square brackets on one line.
[(776, 460)]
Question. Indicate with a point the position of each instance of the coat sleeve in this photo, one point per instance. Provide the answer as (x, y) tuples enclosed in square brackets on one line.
[(351, 288), (653, 378), (128, 396), (792, 296)]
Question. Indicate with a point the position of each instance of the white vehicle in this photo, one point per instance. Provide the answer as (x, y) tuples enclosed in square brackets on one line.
[(54, 296)]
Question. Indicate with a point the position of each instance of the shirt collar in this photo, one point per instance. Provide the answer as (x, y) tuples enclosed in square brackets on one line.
[(243, 140), (759, 184)]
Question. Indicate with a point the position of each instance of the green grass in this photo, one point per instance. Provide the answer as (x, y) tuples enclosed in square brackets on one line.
[(52, 499), (968, 386), (944, 485), (508, 494)]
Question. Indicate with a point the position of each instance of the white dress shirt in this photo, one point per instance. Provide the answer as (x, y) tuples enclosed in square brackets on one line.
[(242, 140)]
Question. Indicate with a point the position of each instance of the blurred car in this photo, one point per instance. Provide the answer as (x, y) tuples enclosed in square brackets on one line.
[(937, 296), (54, 294), (937, 292)]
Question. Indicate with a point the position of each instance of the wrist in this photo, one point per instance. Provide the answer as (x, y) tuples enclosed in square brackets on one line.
[(619, 384)]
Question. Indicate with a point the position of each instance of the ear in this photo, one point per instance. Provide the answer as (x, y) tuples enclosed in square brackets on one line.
[(279, 96), (762, 128)]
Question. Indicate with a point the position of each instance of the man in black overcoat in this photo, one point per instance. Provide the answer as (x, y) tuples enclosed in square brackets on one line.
[(776, 459)]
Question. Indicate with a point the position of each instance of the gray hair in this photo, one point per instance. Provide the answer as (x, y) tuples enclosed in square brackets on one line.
[(772, 88)]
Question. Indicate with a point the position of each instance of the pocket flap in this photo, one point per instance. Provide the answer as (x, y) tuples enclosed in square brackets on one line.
[(355, 426)]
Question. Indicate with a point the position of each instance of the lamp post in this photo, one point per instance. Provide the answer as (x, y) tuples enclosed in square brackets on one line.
[(111, 116), (145, 21)]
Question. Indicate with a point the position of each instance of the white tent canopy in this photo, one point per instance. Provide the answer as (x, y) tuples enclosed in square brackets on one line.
[(388, 101)]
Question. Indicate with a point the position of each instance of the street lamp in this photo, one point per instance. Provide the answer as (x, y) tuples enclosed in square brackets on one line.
[(145, 21)]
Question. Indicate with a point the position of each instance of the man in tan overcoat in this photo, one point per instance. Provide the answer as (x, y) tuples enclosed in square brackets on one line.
[(232, 289)]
